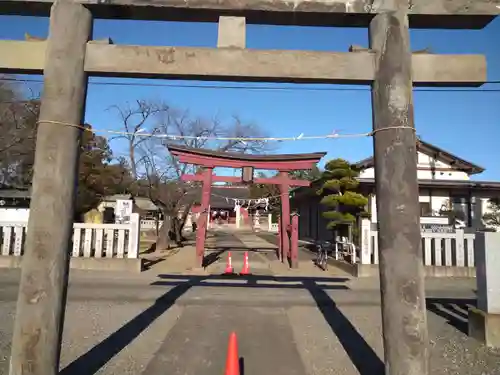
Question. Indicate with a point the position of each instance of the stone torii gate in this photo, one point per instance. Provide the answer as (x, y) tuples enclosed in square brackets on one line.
[(284, 163), (68, 57)]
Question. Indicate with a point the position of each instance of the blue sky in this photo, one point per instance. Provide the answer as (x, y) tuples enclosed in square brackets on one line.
[(464, 123)]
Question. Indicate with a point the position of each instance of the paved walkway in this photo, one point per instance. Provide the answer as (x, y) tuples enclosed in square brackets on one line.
[(261, 253)]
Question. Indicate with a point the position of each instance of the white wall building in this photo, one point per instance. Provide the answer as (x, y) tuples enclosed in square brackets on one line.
[(444, 183)]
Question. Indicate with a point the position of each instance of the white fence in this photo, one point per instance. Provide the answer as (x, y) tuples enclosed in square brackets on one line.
[(89, 240), (438, 249), (148, 224)]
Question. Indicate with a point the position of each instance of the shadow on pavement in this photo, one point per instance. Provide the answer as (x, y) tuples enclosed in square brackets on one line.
[(90, 362), (212, 257), (150, 249), (358, 350), (242, 365), (253, 281), (148, 263), (361, 354), (453, 310)]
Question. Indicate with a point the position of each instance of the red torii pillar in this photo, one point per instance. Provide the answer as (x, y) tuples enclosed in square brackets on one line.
[(288, 232), (284, 184), (211, 159), (201, 232)]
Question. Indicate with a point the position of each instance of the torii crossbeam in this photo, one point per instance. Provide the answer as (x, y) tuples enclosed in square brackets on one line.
[(283, 163), (69, 57)]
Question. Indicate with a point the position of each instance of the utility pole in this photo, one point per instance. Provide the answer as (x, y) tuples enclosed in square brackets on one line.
[(44, 277), (401, 269)]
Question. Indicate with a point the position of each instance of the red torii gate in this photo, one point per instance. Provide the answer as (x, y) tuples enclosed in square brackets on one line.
[(284, 163)]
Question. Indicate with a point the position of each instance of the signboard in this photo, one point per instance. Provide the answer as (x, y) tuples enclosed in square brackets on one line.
[(437, 228), (123, 211), (366, 250)]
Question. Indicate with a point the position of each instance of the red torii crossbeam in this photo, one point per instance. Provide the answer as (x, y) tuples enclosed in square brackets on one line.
[(271, 180), (283, 163)]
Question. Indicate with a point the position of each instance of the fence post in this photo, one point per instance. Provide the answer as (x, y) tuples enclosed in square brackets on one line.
[(366, 241), (188, 225), (270, 222), (484, 321), (238, 216), (460, 247), (294, 248), (280, 240), (134, 236)]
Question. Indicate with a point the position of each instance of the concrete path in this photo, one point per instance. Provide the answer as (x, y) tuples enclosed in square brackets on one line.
[(197, 344), (262, 253), (162, 322)]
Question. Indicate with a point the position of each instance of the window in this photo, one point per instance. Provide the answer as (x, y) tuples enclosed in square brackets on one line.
[(461, 207), (425, 209)]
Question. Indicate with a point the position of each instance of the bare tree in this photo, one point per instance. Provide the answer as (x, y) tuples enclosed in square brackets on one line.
[(136, 120), (18, 123), (159, 173)]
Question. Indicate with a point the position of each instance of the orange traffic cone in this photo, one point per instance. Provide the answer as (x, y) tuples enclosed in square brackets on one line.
[(232, 360), (246, 266), (229, 266)]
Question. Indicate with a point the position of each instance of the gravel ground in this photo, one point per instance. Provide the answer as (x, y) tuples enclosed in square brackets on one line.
[(341, 351), (93, 338)]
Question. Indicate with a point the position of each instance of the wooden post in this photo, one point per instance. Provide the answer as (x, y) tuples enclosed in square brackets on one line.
[(44, 278), (134, 237), (238, 216), (401, 271), (285, 216), (294, 248), (204, 216), (366, 242), (280, 239)]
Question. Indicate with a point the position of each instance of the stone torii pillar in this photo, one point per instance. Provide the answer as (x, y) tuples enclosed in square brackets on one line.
[(44, 277), (401, 265)]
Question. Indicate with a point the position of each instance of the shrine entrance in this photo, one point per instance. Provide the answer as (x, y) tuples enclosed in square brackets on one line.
[(248, 163)]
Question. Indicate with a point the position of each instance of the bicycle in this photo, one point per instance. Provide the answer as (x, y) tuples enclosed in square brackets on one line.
[(322, 255)]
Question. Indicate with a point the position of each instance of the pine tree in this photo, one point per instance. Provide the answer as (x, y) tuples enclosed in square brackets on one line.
[(306, 174), (340, 195), (492, 218)]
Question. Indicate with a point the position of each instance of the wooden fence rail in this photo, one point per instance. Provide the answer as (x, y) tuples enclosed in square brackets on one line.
[(89, 240)]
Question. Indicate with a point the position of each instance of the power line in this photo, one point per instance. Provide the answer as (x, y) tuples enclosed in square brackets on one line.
[(256, 88)]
